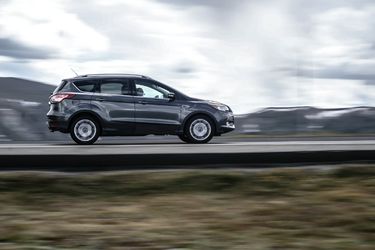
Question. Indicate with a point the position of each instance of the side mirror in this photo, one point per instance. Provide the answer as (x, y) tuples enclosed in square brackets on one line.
[(171, 96)]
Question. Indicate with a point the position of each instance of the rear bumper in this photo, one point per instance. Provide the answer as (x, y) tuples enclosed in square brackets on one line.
[(57, 123)]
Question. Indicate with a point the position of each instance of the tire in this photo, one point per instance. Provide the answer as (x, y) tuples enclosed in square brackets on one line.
[(199, 129), (184, 138), (85, 130)]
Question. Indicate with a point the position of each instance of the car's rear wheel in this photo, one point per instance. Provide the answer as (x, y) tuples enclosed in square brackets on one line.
[(85, 130), (199, 129)]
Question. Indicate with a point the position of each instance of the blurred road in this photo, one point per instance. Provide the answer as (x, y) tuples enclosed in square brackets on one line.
[(172, 146), (170, 153)]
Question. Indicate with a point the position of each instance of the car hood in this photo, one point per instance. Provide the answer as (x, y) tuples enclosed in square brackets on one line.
[(210, 102)]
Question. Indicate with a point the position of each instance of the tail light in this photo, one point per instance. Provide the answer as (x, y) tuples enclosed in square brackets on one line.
[(60, 97)]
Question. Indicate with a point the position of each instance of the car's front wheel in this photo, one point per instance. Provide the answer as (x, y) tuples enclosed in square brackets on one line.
[(199, 129), (85, 130)]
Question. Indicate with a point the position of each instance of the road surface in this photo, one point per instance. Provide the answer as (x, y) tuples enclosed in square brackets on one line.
[(164, 154), (182, 148)]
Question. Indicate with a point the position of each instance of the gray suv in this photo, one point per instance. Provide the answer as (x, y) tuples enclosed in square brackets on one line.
[(90, 106)]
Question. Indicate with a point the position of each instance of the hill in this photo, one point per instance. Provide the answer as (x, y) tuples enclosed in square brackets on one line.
[(290, 120), (23, 106)]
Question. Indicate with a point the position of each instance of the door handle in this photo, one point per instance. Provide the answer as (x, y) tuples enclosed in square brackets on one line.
[(99, 99), (142, 102)]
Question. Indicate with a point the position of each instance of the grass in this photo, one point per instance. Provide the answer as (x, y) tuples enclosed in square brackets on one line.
[(278, 209)]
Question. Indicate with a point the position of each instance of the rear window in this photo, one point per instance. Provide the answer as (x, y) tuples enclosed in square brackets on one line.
[(66, 88), (60, 87), (86, 86)]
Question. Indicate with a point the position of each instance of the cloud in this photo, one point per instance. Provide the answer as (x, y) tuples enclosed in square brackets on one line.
[(248, 54), (221, 7), (14, 49), (340, 44), (43, 24)]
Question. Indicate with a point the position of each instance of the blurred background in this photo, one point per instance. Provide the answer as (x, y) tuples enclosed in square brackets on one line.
[(291, 70), (286, 67)]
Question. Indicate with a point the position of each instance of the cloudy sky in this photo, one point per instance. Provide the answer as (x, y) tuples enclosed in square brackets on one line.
[(248, 54)]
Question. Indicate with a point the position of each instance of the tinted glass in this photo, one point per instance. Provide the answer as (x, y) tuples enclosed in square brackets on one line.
[(60, 87), (85, 86), (150, 90), (117, 87), (66, 88)]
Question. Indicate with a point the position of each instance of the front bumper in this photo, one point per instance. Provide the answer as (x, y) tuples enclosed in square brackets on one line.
[(226, 124), (229, 126)]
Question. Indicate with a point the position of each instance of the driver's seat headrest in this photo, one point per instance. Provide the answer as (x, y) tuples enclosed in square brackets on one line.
[(140, 92)]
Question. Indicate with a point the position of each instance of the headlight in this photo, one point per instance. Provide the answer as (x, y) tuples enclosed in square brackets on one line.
[(219, 106), (222, 108)]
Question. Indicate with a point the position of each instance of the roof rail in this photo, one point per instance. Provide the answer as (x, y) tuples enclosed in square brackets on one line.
[(113, 74)]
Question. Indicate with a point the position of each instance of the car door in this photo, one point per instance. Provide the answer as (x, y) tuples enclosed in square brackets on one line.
[(155, 113), (115, 101)]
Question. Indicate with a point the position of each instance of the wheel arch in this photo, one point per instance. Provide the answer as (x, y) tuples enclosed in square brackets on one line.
[(197, 113), (86, 113)]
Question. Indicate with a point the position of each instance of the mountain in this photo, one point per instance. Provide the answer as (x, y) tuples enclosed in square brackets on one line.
[(23, 106), (290, 120), (21, 89)]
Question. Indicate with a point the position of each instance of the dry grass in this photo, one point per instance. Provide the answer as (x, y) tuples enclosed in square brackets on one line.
[(283, 209)]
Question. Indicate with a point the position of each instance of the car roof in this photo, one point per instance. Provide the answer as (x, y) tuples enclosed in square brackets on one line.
[(120, 75), (96, 76)]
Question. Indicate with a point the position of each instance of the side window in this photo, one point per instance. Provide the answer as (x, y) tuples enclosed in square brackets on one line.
[(85, 86), (116, 87), (150, 90)]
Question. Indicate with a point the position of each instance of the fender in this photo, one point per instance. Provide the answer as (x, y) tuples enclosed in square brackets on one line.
[(85, 111), (199, 112)]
